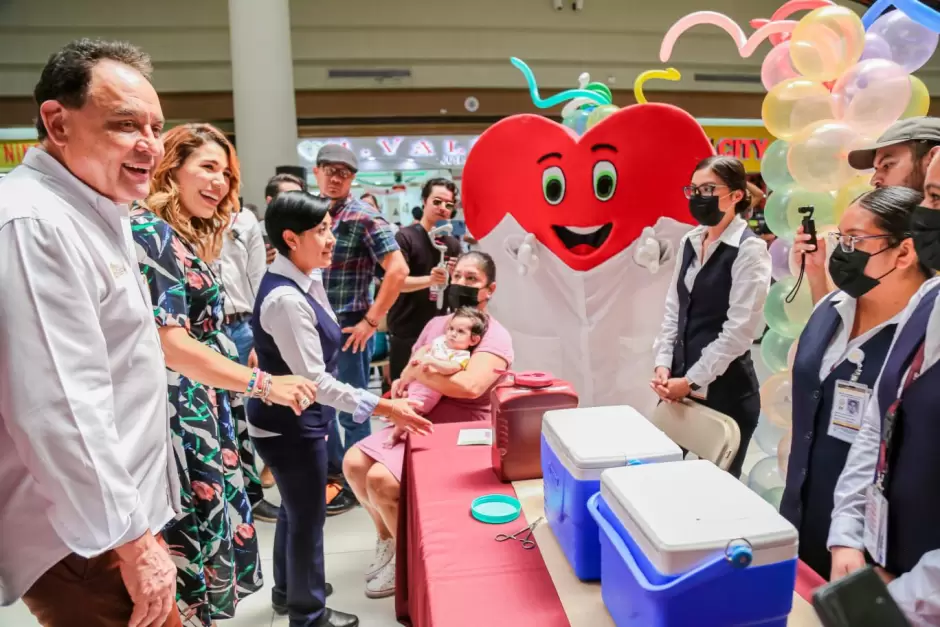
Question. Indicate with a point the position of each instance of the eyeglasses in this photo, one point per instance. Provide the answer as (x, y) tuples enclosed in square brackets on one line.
[(707, 190), (847, 242), (437, 202), (339, 172)]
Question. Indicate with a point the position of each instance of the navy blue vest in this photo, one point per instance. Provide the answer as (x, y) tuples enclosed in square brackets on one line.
[(816, 459), (702, 314), (913, 482), (314, 422)]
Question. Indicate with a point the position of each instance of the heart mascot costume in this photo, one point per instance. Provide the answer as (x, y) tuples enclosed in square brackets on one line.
[(585, 233)]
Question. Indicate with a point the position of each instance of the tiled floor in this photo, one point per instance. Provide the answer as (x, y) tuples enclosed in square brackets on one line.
[(350, 540)]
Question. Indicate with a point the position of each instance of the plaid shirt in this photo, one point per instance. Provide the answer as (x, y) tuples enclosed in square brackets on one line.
[(363, 238)]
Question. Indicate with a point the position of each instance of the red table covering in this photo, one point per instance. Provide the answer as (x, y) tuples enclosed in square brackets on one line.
[(451, 571)]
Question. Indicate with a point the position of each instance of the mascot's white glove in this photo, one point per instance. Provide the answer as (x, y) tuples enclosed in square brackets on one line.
[(651, 253), (525, 252)]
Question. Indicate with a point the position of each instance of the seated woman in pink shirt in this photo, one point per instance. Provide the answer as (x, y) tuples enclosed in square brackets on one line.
[(373, 466)]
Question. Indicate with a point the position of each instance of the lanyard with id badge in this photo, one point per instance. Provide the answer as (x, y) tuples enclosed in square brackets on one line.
[(876, 505), (849, 402)]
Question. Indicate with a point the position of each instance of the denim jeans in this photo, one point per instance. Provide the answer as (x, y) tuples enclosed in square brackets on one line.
[(240, 333), (353, 369)]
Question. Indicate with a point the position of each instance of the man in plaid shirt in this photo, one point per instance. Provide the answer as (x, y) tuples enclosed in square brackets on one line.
[(364, 242)]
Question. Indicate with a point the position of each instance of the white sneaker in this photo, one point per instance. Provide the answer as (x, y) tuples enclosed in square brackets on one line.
[(384, 552), (383, 584)]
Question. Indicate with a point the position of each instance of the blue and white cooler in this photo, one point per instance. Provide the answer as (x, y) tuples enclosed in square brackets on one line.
[(688, 544), (577, 445)]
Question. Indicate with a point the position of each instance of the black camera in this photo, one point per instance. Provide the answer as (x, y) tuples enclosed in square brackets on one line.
[(809, 225)]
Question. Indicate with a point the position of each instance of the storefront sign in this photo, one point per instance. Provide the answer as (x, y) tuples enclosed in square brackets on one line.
[(12, 153), (747, 143)]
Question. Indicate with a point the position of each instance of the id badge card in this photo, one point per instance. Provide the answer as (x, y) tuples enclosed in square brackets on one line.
[(848, 407), (876, 524)]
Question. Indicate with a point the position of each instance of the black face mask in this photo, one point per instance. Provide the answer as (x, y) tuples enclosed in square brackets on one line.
[(463, 296), (925, 231), (848, 271), (705, 210)]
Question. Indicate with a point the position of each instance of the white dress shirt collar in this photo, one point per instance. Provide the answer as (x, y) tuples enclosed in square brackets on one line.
[(730, 236), (286, 268)]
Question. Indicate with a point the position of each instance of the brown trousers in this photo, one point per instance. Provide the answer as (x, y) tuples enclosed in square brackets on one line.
[(79, 592)]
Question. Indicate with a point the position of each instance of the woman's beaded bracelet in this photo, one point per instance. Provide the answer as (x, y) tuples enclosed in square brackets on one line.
[(252, 382)]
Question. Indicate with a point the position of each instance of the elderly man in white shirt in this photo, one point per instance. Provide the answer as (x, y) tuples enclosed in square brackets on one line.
[(85, 465)]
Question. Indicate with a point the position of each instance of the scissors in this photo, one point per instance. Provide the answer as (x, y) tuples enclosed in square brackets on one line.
[(527, 541)]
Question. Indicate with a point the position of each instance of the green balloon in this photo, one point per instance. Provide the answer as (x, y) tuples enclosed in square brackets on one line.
[(773, 165), (774, 350), (773, 496), (782, 211), (602, 89), (788, 319)]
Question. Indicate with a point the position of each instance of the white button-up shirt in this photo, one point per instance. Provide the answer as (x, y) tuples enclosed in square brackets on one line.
[(85, 461), (917, 592), (243, 263), (841, 344), (750, 282), (290, 320)]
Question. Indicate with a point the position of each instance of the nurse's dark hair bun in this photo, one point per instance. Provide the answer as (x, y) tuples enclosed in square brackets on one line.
[(732, 173)]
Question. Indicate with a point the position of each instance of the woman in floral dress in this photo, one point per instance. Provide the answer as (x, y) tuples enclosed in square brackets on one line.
[(178, 235)]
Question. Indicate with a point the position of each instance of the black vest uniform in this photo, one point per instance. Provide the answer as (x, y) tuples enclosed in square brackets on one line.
[(913, 482), (702, 314), (816, 458)]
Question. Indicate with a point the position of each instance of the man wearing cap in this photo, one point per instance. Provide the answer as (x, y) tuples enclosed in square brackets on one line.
[(364, 242), (901, 155)]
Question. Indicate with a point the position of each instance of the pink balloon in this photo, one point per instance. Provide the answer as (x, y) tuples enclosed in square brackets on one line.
[(780, 258), (777, 66), (871, 95), (876, 48), (746, 45)]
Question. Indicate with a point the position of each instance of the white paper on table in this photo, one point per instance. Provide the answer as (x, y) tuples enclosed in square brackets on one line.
[(475, 437)]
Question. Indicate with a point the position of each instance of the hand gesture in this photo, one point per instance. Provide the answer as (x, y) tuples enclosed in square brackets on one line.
[(648, 252), (150, 578), (438, 276), (399, 389), (524, 252), (358, 336), (293, 391), (398, 435), (402, 414), (845, 560), (815, 257)]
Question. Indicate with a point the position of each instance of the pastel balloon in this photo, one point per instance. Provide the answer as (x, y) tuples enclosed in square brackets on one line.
[(781, 211), (777, 66), (783, 454), (858, 185), (773, 165), (872, 95), (785, 11), (920, 99), (776, 401), (920, 12), (774, 349), (577, 121), (788, 319), (599, 113), (780, 259), (746, 45), (819, 155), (767, 435), (764, 476), (911, 44), (876, 48), (791, 356), (794, 104), (826, 42)]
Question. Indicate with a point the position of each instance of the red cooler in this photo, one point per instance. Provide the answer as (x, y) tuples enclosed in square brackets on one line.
[(519, 402)]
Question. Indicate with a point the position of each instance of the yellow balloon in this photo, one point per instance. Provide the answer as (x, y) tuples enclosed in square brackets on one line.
[(847, 194), (776, 400), (920, 100), (599, 113), (826, 42), (794, 104), (818, 158)]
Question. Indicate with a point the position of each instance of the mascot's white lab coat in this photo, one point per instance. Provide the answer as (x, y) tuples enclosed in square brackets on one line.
[(594, 329)]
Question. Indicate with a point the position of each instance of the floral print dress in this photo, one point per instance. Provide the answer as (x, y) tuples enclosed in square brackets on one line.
[(213, 541)]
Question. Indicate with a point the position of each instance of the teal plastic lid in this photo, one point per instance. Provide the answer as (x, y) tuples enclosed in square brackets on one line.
[(496, 509)]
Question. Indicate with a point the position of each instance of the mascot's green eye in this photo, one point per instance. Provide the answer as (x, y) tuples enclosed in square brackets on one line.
[(553, 185), (605, 180)]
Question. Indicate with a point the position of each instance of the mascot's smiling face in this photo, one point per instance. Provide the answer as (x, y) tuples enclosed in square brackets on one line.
[(586, 198)]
